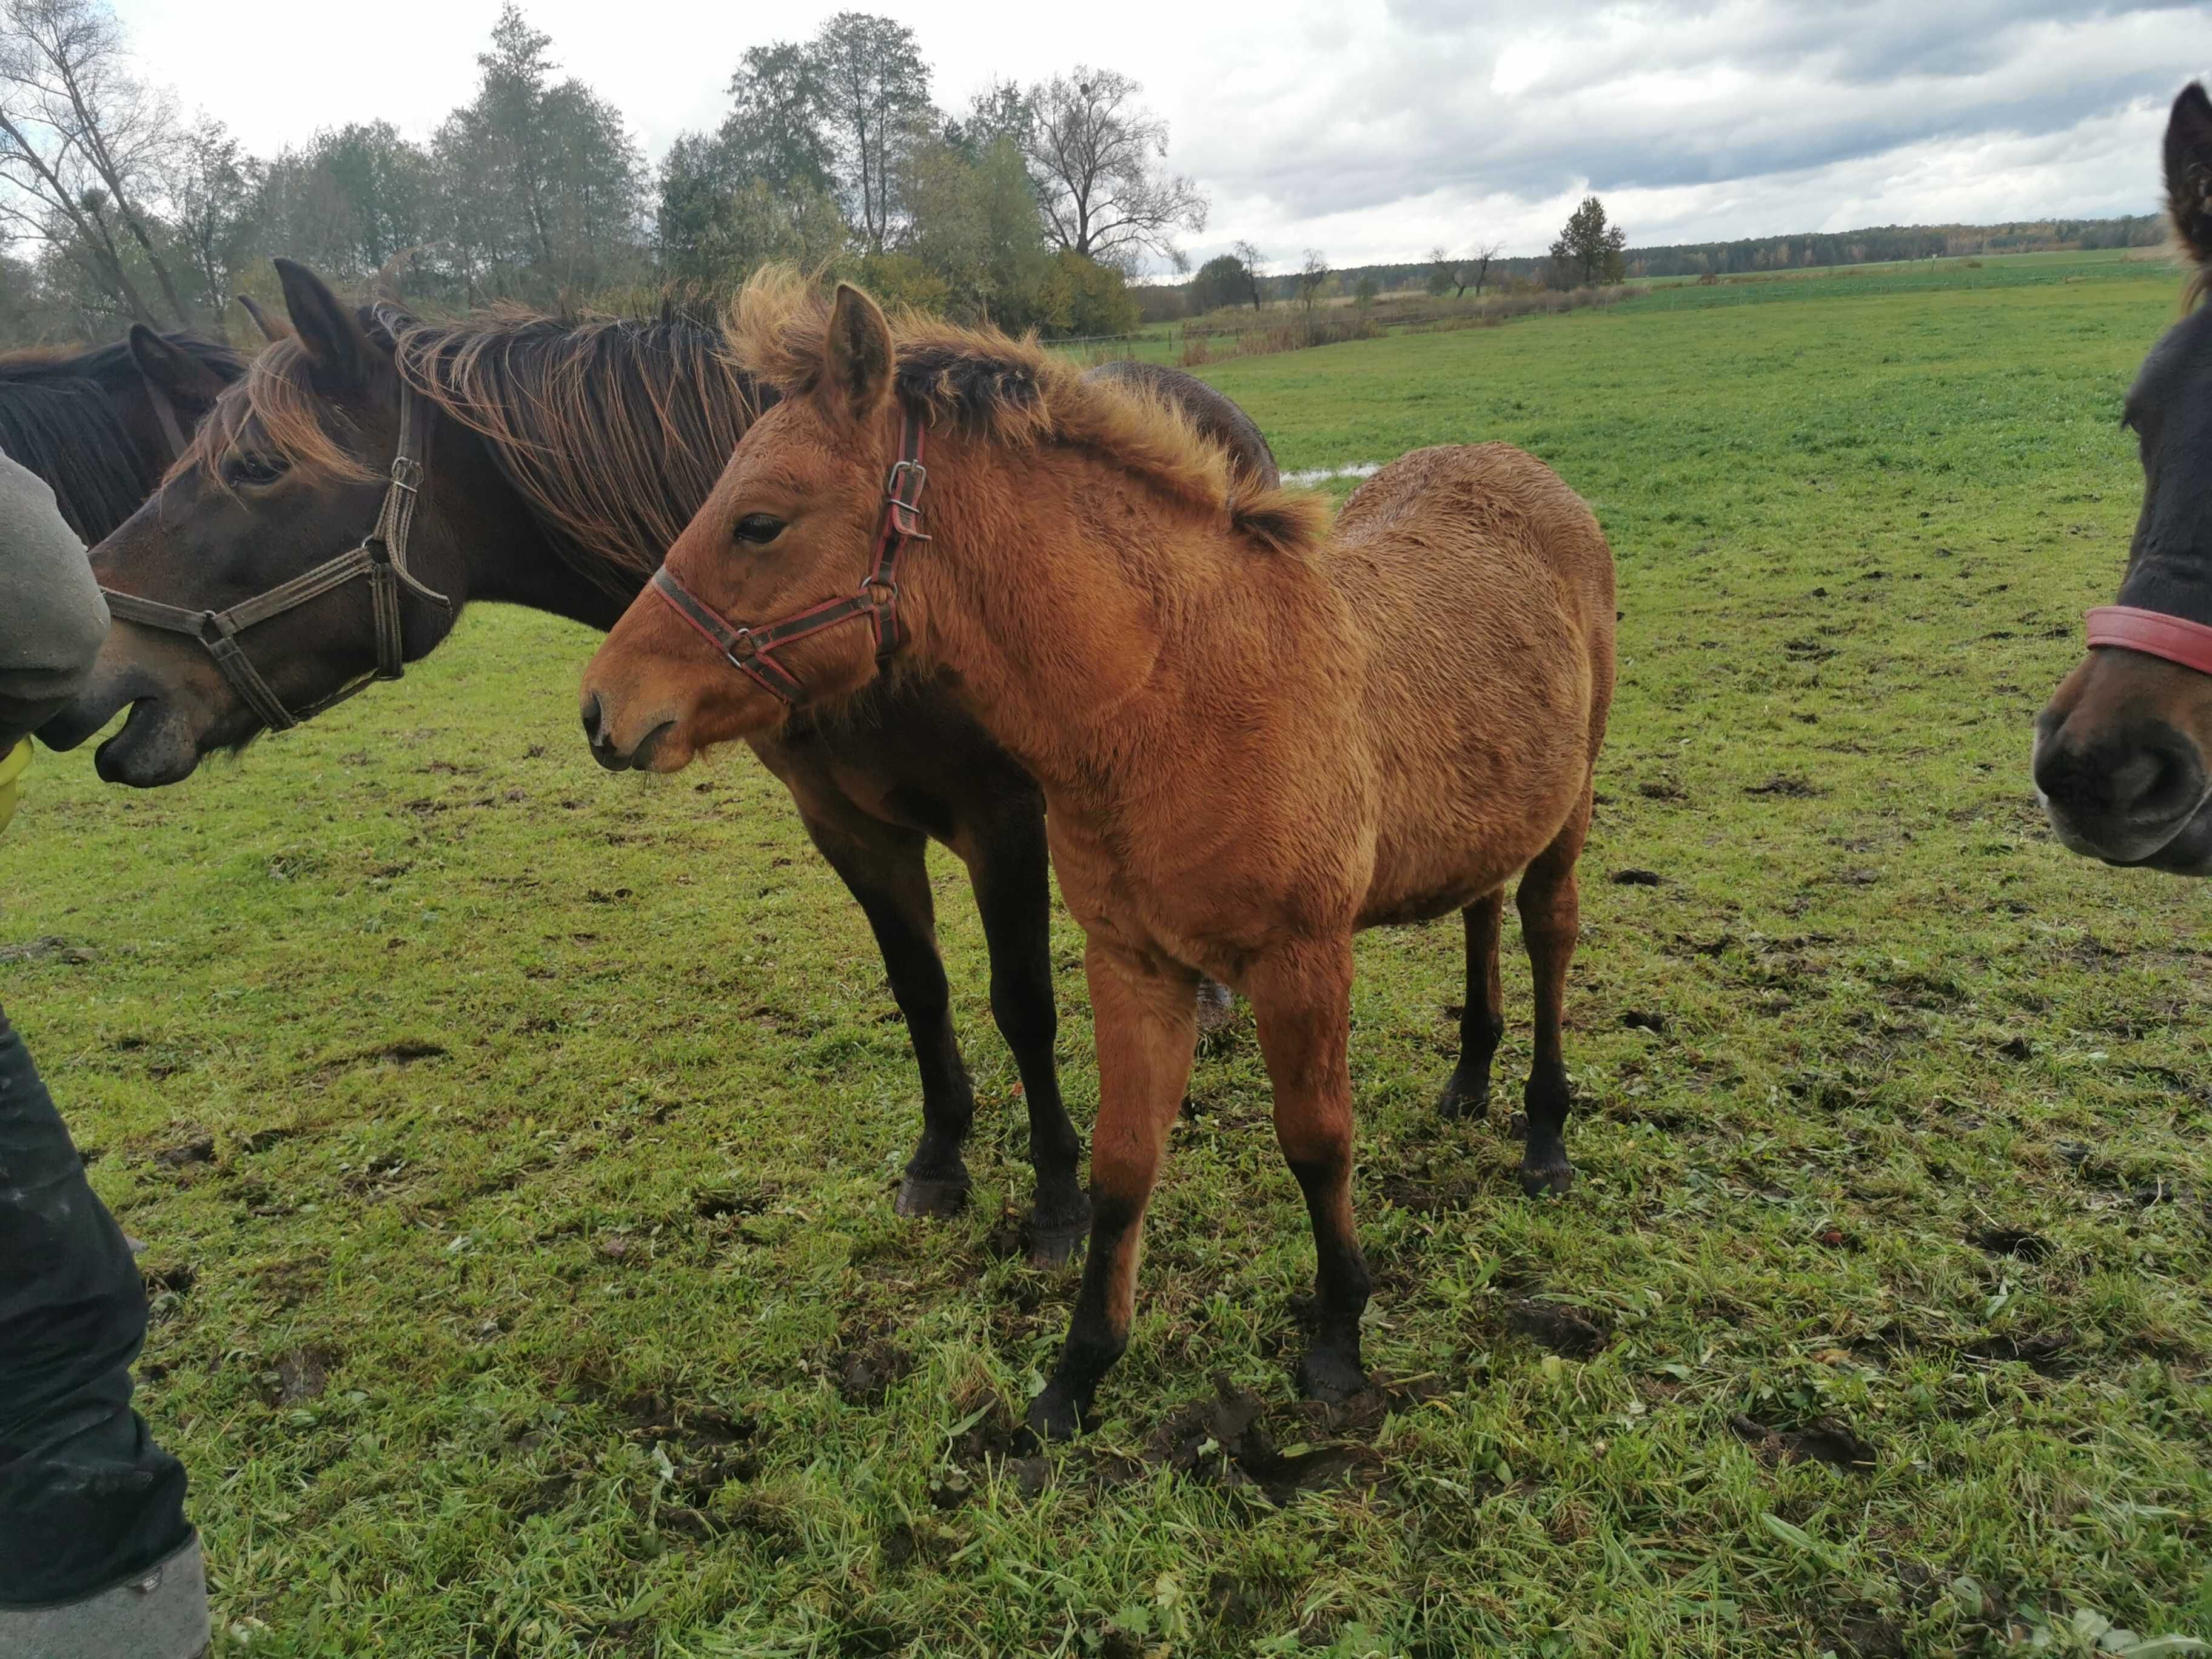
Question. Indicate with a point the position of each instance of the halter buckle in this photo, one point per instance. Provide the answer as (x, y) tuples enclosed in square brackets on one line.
[(743, 647), (921, 477), (406, 473)]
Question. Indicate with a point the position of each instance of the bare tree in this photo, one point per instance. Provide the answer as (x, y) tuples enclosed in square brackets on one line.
[(81, 144), (1443, 269), (1475, 268), (1249, 256), (1096, 157), (1311, 274)]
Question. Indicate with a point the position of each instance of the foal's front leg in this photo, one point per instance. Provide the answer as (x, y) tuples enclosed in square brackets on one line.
[(1302, 997), (1145, 1013)]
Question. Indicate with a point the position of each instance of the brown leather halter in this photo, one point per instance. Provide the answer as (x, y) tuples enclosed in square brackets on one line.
[(381, 557), (752, 650)]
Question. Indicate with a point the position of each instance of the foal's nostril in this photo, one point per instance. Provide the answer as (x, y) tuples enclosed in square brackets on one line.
[(641, 757)]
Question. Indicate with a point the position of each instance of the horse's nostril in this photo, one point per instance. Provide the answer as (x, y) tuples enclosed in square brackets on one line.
[(2147, 775), (592, 719)]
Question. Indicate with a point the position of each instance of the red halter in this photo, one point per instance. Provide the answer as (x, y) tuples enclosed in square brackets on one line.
[(751, 650), (2154, 634)]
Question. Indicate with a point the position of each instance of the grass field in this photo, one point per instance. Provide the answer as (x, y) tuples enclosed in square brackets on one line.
[(513, 1145)]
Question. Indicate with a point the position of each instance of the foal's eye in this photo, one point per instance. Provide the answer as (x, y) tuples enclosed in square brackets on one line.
[(757, 529), (250, 469)]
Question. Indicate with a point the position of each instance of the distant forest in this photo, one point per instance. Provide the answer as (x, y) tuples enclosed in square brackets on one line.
[(1805, 251)]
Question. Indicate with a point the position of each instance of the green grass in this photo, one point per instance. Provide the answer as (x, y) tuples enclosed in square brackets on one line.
[(542, 1294)]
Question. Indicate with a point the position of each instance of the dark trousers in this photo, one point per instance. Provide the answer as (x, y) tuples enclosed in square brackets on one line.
[(88, 1501)]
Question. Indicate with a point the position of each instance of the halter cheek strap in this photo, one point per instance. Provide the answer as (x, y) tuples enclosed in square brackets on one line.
[(2154, 634), (381, 557), (751, 651)]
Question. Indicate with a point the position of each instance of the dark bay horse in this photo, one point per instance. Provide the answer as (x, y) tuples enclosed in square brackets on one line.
[(2124, 750), (102, 425), (560, 461), (1256, 735)]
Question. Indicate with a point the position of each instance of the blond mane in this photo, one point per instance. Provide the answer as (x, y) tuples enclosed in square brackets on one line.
[(1012, 392)]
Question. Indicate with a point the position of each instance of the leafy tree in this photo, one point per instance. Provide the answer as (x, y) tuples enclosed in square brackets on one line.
[(1443, 272), (212, 194), (1311, 276), (712, 229), (1001, 110), (1096, 157), (1588, 250), (974, 225), (1364, 293), (1220, 281), (1081, 297), (774, 128), (1249, 258), (541, 180), (875, 105)]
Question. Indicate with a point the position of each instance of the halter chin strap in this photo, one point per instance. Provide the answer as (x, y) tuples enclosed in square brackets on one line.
[(2154, 634), (381, 557), (752, 650)]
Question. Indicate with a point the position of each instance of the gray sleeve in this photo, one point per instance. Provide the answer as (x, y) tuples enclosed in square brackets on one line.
[(52, 617)]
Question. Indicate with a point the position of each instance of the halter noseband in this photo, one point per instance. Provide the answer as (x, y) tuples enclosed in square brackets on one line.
[(2153, 633), (752, 650), (381, 557)]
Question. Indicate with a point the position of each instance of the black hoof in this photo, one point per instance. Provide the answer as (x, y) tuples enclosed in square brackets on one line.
[(1054, 1415), (1454, 1104), (921, 1195), (1537, 1183), (1330, 1376), (1055, 1239)]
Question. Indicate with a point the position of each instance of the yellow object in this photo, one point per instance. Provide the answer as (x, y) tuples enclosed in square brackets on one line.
[(11, 767)]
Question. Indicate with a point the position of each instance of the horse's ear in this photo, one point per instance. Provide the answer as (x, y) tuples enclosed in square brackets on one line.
[(340, 356), (856, 357), (2189, 170), (184, 379), (271, 329)]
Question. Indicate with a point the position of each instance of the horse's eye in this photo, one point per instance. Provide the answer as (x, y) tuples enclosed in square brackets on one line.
[(757, 529), (249, 469)]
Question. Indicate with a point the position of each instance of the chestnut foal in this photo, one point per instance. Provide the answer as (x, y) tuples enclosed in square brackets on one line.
[(1398, 718)]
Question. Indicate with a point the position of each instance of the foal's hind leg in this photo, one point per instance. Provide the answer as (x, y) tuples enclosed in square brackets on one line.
[(887, 871), (1011, 873), (1551, 918), (1482, 1017), (1302, 998)]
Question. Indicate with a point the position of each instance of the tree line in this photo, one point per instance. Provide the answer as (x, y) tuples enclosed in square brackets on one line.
[(1032, 206)]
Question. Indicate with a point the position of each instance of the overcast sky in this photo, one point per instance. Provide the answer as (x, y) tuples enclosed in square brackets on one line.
[(1376, 129)]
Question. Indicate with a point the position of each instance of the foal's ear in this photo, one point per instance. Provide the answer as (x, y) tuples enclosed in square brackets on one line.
[(2189, 170), (856, 357), (339, 354), (186, 381)]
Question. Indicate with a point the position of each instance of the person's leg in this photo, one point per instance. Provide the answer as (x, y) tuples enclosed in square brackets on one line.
[(95, 1554)]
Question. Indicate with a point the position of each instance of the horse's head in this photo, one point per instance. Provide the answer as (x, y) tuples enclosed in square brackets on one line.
[(790, 526), (2123, 750), (289, 469)]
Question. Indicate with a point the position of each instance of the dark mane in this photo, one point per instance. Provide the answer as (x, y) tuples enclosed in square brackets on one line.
[(612, 429), (58, 419)]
